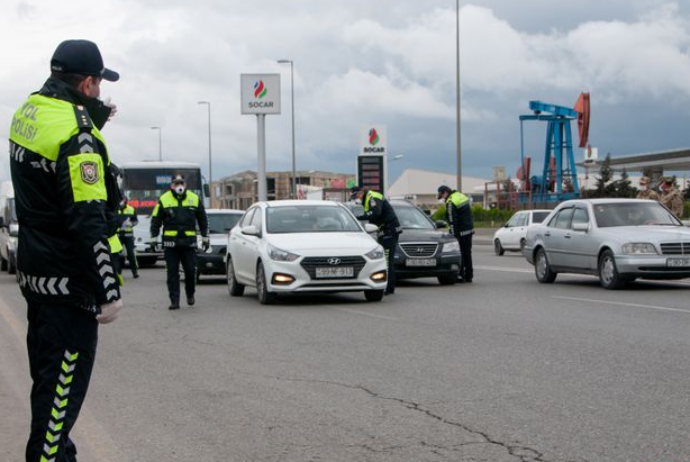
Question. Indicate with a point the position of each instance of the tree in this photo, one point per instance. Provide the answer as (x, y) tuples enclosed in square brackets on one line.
[(623, 186), (603, 188)]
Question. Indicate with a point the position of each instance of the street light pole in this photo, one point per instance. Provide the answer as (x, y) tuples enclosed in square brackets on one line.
[(293, 192), (160, 142), (210, 162), (457, 91)]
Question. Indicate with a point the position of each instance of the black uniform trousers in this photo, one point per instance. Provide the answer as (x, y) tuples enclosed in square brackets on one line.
[(61, 342), (173, 257), (127, 241), (389, 242), (466, 269)]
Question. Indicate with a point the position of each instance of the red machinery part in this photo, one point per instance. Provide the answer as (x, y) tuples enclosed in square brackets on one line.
[(583, 109)]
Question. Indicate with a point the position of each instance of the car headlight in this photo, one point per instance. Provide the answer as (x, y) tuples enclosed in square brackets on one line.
[(281, 255), (639, 248), (451, 247), (375, 254)]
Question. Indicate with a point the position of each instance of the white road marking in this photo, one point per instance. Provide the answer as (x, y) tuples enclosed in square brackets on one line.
[(366, 313), (611, 302), (504, 269)]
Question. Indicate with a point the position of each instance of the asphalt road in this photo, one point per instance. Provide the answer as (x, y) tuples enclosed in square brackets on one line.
[(504, 369)]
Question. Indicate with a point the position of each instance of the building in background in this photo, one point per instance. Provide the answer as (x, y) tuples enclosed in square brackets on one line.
[(421, 186), (239, 191)]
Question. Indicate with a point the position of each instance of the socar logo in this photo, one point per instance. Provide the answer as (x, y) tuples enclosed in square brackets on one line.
[(259, 89), (373, 137)]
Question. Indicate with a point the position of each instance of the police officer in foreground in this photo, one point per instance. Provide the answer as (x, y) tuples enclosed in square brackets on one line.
[(378, 211), (671, 197), (126, 221), (178, 212), (458, 213), (647, 191), (66, 204)]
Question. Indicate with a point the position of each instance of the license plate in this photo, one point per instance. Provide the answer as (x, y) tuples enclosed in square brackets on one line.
[(677, 262), (338, 272), (421, 262)]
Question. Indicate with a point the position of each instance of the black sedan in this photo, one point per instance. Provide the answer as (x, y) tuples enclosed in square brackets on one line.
[(425, 248)]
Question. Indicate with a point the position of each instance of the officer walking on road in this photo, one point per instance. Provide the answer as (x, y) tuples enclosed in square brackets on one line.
[(179, 211), (126, 221), (458, 213), (66, 204), (378, 211)]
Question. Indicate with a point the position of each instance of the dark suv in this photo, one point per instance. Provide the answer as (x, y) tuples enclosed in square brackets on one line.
[(425, 248)]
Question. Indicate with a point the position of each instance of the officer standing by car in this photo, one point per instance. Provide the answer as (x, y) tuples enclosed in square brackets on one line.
[(178, 212), (126, 221), (66, 205), (671, 197), (647, 191), (458, 213), (378, 211)]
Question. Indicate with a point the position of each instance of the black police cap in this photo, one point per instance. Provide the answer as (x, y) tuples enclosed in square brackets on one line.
[(442, 189), (177, 179), (81, 57)]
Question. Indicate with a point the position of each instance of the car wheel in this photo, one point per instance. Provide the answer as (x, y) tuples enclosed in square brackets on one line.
[(3, 263), (235, 288), (448, 279), (498, 248), (265, 297), (542, 269), (11, 266), (373, 295), (608, 272)]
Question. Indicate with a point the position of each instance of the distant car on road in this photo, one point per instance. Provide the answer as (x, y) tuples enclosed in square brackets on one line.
[(425, 248), (618, 240), (220, 222), (511, 236), (9, 229), (303, 246)]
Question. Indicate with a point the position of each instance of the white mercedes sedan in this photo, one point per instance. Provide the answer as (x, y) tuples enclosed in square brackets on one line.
[(303, 246)]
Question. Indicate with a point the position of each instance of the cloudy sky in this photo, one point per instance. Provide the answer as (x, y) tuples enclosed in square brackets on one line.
[(360, 62)]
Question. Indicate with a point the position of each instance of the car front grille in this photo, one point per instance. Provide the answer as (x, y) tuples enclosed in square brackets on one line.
[(419, 250), (676, 248), (311, 263)]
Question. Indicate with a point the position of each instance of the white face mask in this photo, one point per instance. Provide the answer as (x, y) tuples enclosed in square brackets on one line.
[(358, 201), (179, 189), (441, 200)]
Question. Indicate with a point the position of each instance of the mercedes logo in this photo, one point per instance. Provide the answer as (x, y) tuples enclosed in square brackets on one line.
[(334, 261)]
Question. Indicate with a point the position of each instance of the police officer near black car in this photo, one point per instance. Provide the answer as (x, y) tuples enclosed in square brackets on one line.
[(66, 203), (458, 213), (378, 211), (126, 221), (178, 212)]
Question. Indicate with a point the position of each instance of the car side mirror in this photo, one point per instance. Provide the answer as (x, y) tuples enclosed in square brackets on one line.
[(207, 190), (440, 224), (251, 231), (369, 228), (581, 227)]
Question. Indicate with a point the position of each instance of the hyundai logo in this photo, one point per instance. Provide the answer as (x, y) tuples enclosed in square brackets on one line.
[(334, 261), (420, 249)]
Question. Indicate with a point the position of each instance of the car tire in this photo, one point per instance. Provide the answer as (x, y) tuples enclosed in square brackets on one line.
[(498, 248), (3, 263), (265, 297), (11, 266), (373, 295), (448, 279), (542, 268), (145, 262), (609, 277), (235, 288)]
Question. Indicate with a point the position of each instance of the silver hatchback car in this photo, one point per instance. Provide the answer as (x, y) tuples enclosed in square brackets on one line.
[(618, 240)]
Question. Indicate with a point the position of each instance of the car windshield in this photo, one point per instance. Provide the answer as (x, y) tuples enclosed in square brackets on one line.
[(412, 218), (310, 219), (221, 223), (538, 217), (633, 214)]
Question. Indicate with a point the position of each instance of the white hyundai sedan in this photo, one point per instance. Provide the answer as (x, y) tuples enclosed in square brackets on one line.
[(303, 246)]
